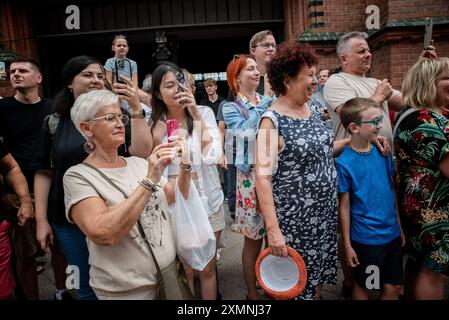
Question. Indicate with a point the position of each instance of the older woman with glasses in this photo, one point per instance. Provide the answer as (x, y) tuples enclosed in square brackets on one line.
[(60, 146), (121, 204), (242, 117)]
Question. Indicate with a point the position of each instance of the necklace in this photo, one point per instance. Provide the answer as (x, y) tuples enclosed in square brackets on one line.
[(302, 112), (362, 153)]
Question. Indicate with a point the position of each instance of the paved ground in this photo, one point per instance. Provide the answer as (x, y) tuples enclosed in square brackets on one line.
[(230, 273)]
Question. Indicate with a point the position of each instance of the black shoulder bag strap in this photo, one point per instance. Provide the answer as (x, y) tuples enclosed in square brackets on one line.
[(139, 225)]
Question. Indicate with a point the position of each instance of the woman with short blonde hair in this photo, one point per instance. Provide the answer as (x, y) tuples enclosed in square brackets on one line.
[(419, 86), (422, 154)]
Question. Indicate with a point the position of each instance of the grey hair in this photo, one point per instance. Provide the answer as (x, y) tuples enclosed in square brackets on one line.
[(343, 42), (258, 37), (87, 105), (146, 84)]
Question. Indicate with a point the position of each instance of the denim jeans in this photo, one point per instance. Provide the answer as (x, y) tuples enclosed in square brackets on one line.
[(74, 247)]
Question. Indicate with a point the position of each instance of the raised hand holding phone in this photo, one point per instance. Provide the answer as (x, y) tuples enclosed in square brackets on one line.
[(185, 96), (121, 68), (429, 48), (180, 77)]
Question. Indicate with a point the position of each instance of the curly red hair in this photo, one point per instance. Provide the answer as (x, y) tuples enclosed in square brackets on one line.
[(290, 58)]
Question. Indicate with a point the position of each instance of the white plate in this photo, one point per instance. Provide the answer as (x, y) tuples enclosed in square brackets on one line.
[(279, 273)]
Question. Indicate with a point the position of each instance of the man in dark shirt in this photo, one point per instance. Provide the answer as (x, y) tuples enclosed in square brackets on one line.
[(213, 100), (21, 115), (21, 118)]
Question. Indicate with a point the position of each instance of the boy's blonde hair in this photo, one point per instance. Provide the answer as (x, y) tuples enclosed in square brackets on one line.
[(210, 82), (350, 111), (419, 86)]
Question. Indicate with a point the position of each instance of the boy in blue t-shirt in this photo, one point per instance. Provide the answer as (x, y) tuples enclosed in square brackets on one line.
[(367, 204)]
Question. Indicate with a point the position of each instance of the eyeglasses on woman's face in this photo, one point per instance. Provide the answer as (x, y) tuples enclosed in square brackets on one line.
[(112, 117)]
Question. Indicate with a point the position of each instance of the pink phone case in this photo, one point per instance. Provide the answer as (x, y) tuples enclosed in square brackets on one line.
[(172, 127)]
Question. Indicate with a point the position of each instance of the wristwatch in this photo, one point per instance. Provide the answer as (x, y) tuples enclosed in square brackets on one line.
[(187, 168), (140, 115)]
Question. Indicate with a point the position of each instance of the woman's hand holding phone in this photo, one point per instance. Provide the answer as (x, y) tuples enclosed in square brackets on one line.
[(187, 99), (128, 92)]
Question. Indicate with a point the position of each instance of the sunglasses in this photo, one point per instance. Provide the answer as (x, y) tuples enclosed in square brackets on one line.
[(376, 122)]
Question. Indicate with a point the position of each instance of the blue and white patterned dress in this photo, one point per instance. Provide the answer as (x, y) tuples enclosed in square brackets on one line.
[(305, 195)]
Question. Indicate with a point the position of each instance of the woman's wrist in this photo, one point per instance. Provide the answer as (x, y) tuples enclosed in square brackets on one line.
[(148, 184), (153, 180), (186, 167)]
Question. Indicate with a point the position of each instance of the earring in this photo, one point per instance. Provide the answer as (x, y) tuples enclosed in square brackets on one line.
[(89, 146)]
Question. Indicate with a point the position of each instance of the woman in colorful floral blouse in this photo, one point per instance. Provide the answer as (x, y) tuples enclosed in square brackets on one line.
[(422, 154)]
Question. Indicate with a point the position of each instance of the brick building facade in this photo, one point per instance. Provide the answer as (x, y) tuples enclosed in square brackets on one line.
[(395, 45)]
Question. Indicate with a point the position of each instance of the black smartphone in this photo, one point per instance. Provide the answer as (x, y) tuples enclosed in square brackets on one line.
[(120, 69), (181, 78)]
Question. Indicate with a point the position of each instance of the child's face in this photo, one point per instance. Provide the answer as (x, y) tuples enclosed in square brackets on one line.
[(120, 47), (370, 124)]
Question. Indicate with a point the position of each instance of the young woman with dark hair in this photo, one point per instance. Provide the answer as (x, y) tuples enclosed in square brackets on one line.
[(174, 100)]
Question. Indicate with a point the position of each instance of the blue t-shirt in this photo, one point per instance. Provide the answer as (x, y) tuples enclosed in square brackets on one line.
[(368, 179), (126, 67)]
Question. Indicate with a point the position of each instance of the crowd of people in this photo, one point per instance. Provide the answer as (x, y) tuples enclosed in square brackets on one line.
[(305, 154)]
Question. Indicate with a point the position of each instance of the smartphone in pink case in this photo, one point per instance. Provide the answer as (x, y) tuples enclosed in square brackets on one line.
[(172, 127)]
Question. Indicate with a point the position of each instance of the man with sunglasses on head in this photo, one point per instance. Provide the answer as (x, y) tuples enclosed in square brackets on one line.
[(263, 47)]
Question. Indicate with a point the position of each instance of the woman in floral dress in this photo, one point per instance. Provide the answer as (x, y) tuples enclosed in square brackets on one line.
[(298, 200), (242, 117), (421, 150)]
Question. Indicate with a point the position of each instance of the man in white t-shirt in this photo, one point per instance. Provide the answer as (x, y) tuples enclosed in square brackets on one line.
[(355, 57)]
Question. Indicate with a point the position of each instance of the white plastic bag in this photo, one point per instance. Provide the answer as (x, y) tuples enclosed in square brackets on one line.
[(194, 237)]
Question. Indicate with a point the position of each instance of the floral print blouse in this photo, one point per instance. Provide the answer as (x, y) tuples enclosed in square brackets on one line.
[(421, 142)]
